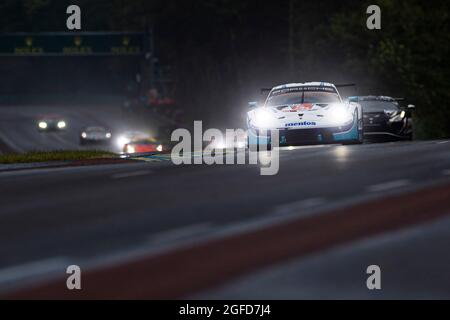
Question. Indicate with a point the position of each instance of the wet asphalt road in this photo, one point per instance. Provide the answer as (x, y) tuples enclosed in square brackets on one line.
[(80, 215)]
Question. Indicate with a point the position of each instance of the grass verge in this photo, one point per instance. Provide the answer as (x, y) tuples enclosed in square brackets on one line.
[(38, 156)]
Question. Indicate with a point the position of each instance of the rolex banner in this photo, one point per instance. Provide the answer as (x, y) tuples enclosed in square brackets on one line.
[(73, 44)]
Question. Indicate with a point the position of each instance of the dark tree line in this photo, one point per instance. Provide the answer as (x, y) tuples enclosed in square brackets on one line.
[(223, 51)]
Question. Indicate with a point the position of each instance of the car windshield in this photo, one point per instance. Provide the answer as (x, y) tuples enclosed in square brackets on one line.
[(95, 129), (379, 106), (302, 97)]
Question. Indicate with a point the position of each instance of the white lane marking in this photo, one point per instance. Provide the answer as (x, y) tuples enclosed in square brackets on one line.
[(33, 271), (295, 208), (183, 233), (442, 142), (388, 185), (446, 172), (131, 174)]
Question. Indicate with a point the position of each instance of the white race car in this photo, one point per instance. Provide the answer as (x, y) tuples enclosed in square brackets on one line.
[(305, 113)]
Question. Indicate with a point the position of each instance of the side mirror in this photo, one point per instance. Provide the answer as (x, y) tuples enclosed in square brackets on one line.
[(411, 107), (253, 105)]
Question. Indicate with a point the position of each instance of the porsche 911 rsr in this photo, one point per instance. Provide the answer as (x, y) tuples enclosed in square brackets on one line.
[(305, 113), (95, 135), (51, 123), (385, 119)]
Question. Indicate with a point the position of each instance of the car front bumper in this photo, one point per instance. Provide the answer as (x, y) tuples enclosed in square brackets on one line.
[(289, 137)]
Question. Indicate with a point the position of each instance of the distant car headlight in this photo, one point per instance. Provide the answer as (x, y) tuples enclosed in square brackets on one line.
[(263, 119), (220, 144), (159, 148), (62, 124), (217, 143), (121, 141), (108, 136), (130, 149), (84, 135), (240, 144), (340, 115), (43, 125)]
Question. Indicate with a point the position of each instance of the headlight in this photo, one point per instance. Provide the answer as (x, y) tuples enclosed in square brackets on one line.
[(43, 125), (217, 144), (340, 115), (263, 119), (403, 114), (84, 135), (121, 141), (130, 149), (159, 148), (108, 136), (61, 125), (240, 144), (220, 144), (398, 117)]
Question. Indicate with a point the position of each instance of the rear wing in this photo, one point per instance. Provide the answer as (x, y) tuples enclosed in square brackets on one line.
[(344, 85)]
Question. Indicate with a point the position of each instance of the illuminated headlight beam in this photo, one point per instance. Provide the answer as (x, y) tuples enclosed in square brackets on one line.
[(122, 141), (62, 124), (341, 115), (240, 144), (263, 119), (130, 149), (398, 117), (43, 125)]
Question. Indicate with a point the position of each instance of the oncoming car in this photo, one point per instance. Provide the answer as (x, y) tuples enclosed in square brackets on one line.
[(305, 113), (385, 118), (49, 123), (144, 146), (95, 135)]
